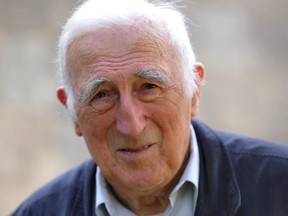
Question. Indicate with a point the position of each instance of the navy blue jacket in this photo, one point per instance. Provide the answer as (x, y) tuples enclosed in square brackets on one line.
[(238, 176)]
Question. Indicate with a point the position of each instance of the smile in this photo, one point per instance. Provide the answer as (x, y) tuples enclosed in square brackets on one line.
[(137, 153), (136, 149)]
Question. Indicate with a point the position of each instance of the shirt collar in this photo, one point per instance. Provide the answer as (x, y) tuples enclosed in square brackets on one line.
[(103, 194), (191, 172)]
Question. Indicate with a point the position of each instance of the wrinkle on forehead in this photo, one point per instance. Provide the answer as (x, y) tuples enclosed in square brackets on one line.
[(117, 45), (155, 45), (118, 39)]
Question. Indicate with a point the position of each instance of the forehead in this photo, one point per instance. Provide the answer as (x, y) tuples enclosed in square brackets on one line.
[(119, 45), (115, 40)]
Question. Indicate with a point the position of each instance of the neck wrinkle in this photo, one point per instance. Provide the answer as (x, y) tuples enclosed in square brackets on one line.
[(151, 204)]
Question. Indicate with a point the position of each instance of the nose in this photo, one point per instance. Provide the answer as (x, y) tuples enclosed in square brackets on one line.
[(130, 119)]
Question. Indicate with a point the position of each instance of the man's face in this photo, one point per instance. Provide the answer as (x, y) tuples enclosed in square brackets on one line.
[(131, 107)]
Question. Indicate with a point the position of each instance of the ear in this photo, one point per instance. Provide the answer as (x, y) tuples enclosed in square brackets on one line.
[(199, 71), (62, 97)]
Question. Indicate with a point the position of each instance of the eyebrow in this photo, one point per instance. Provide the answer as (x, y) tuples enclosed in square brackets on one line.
[(88, 88), (153, 75)]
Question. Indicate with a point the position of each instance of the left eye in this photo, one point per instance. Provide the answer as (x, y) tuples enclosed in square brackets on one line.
[(100, 95), (149, 92), (149, 86)]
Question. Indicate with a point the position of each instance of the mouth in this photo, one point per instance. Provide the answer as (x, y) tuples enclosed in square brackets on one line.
[(135, 152)]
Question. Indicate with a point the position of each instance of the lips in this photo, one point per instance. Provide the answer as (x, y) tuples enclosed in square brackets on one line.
[(139, 149)]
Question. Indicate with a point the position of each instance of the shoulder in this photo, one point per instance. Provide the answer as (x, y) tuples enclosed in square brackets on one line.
[(256, 163), (257, 167), (260, 167), (243, 145), (248, 155), (255, 155), (60, 193), (256, 158)]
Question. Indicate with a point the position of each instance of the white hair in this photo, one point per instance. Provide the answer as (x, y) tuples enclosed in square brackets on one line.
[(96, 14)]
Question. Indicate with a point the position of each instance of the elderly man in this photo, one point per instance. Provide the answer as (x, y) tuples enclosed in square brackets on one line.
[(132, 85)]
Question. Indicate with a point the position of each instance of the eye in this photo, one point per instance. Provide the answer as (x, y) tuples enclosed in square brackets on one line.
[(149, 91), (100, 95), (150, 86), (103, 101)]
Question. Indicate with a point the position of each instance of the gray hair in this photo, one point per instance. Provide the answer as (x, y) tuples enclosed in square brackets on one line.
[(96, 14)]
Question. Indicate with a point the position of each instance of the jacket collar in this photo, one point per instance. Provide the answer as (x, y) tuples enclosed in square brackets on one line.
[(218, 188)]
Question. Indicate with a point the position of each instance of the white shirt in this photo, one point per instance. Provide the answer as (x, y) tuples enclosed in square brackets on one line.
[(183, 198)]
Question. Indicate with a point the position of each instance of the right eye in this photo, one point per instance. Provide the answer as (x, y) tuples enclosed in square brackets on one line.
[(103, 101)]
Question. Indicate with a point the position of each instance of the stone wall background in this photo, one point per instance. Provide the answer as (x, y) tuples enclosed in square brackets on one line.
[(243, 44)]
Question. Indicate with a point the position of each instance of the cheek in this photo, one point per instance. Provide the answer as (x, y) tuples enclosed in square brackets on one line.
[(172, 113), (89, 121), (174, 122), (94, 129)]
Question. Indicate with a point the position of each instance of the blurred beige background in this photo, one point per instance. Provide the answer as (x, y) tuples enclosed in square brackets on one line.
[(243, 44)]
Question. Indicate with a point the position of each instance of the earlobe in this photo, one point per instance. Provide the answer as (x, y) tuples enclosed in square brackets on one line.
[(77, 129), (61, 95), (194, 108)]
